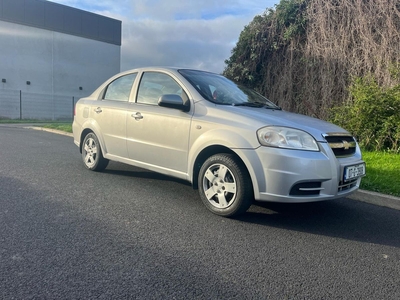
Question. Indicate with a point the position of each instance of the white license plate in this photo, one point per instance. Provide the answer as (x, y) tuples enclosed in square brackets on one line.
[(352, 172)]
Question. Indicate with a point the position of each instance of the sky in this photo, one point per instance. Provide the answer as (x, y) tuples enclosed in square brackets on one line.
[(182, 33)]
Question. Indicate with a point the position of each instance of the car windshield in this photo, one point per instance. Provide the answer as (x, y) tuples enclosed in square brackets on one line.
[(220, 90)]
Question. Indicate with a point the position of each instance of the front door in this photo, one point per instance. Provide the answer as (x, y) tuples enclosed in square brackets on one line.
[(158, 137)]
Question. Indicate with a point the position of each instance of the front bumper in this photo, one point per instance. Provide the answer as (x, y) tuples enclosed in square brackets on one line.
[(294, 176)]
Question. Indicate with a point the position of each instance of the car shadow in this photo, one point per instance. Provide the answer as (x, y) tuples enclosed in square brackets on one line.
[(120, 169), (342, 218)]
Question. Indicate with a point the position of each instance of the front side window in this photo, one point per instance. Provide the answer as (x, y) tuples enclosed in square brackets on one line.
[(120, 88), (153, 85)]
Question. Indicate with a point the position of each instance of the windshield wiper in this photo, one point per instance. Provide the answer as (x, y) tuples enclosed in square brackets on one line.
[(273, 107), (258, 105), (249, 104)]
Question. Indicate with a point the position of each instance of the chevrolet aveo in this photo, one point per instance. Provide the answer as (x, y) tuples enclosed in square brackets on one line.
[(231, 143)]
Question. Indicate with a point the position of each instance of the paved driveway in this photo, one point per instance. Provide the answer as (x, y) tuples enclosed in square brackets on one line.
[(67, 233)]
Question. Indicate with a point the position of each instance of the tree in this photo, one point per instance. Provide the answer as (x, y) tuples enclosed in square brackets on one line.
[(303, 54)]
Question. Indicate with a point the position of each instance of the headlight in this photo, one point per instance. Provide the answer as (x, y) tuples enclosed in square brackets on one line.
[(284, 137)]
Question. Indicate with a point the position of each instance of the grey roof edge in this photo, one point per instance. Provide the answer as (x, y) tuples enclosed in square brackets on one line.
[(91, 25)]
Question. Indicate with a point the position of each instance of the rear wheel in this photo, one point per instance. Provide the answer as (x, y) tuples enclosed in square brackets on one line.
[(92, 155), (224, 185)]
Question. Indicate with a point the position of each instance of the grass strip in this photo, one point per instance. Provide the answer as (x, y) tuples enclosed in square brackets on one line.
[(23, 121), (383, 173), (67, 127)]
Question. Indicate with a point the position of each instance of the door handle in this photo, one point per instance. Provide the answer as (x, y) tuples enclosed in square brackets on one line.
[(137, 116), (98, 110)]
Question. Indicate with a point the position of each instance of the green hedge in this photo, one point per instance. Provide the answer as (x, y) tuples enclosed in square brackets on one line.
[(372, 115)]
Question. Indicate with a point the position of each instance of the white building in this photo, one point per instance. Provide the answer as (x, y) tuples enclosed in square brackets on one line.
[(51, 55)]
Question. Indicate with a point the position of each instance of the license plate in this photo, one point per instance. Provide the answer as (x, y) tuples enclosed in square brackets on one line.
[(352, 172)]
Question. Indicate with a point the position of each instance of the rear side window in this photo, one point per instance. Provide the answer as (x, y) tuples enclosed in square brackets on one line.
[(120, 88)]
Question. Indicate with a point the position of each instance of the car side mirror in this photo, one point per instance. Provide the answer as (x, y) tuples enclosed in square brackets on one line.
[(173, 101)]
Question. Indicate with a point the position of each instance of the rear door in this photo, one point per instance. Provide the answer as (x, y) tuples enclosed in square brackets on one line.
[(110, 114)]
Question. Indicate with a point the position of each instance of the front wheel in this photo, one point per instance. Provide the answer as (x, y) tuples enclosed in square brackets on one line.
[(224, 185), (92, 155)]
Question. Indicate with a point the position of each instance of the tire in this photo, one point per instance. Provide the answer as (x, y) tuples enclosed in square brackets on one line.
[(92, 155), (225, 186)]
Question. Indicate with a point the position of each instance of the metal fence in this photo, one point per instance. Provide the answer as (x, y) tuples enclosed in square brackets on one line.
[(15, 104)]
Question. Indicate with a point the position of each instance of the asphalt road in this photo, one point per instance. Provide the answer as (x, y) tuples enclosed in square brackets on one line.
[(126, 233)]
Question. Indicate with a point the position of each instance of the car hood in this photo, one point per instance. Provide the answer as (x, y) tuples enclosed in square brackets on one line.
[(267, 117)]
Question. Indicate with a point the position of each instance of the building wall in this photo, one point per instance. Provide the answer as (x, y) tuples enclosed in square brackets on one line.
[(58, 65), (53, 62)]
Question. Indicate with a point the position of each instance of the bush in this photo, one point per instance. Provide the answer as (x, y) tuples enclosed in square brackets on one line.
[(372, 115)]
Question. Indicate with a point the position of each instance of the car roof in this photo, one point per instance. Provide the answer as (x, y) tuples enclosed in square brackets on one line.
[(161, 68)]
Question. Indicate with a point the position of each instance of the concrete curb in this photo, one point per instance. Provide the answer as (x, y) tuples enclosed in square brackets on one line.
[(360, 195), (376, 199), (50, 130)]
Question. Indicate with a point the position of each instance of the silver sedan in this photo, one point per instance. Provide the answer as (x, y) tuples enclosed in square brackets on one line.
[(230, 142)]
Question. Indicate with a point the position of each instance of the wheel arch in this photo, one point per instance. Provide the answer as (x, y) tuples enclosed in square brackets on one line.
[(91, 128), (83, 134), (210, 151)]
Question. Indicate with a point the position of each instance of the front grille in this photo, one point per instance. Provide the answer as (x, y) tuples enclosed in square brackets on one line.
[(344, 186), (342, 145)]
